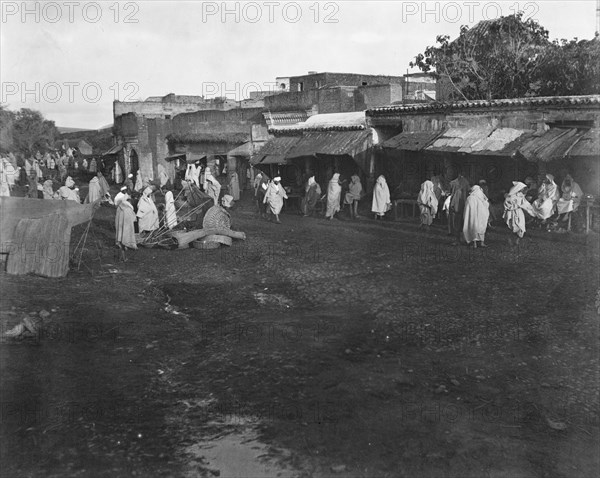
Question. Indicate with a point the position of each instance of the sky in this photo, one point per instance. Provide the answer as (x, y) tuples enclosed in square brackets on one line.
[(71, 59)]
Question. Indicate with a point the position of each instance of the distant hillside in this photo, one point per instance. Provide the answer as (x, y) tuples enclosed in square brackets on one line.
[(101, 139), (64, 129)]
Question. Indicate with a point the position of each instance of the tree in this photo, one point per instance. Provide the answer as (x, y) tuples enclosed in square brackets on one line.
[(31, 132), (509, 58), (569, 68)]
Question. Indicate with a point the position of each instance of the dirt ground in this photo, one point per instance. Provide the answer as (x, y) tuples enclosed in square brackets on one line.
[(314, 348)]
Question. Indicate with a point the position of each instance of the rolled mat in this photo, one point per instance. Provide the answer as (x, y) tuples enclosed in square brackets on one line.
[(203, 244), (225, 240)]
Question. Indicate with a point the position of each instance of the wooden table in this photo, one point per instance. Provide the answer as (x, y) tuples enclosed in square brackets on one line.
[(412, 202)]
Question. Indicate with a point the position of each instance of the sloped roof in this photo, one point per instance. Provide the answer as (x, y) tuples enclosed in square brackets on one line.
[(587, 145), (414, 141), (354, 120), (392, 110), (115, 149), (557, 143), (275, 150), (460, 140), (330, 143), (285, 118)]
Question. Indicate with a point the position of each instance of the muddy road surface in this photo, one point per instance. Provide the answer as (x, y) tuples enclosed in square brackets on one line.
[(314, 348)]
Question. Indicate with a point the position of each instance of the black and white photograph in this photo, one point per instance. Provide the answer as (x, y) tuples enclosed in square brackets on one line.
[(300, 239)]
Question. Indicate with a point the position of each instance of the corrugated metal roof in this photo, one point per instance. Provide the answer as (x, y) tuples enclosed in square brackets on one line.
[(331, 143), (481, 140), (460, 139), (588, 144), (592, 100), (415, 141), (354, 120), (556, 143), (502, 141), (275, 150)]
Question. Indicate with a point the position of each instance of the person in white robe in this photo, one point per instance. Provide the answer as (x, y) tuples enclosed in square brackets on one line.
[(334, 193), (311, 197), (170, 212), (234, 185), (117, 173), (428, 203), (476, 216), (68, 192), (139, 183), (571, 196), (227, 201), (48, 190), (548, 196), (124, 226), (213, 187), (7, 177), (163, 177), (193, 173), (94, 191), (84, 164), (274, 196), (121, 195), (382, 202), (353, 195), (147, 213), (514, 205)]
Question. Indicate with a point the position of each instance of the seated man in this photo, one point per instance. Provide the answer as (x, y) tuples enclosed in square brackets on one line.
[(569, 200), (544, 206)]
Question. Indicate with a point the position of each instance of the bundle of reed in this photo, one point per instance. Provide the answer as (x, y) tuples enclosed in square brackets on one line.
[(157, 235)]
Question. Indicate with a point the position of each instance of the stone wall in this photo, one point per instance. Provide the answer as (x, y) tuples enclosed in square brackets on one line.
[(320, 80)]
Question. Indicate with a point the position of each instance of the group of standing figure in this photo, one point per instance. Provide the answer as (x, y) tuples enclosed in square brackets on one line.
[(468, 208), (269, 196)]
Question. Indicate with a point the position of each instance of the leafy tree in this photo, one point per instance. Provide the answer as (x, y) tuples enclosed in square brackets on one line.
[(509, 58), (569, 68), (31, 132)]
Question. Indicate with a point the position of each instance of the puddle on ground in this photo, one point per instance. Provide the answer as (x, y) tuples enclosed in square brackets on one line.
[(238, 453)]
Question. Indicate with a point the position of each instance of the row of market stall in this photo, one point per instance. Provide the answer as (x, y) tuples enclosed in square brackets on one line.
[(498, 141)]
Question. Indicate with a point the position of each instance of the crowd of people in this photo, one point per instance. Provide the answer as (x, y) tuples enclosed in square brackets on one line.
[(45, 176), (466, 209), (469, 211)]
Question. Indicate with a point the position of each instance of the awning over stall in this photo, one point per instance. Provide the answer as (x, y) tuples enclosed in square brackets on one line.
[(557, 143), (173, 157), (245, 150), (415, 141), (114, 150), (337, 143), (275, 151), (588, 145), (483, 140)]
